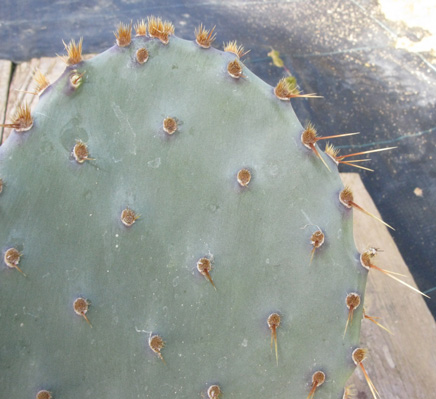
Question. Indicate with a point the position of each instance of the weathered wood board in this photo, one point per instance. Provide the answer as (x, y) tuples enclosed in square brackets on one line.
[(22, 81), (401, 366), (5, 77)]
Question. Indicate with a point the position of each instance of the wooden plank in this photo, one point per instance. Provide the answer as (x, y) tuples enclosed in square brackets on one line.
[(5, 77), (22, 80), (401, 366)]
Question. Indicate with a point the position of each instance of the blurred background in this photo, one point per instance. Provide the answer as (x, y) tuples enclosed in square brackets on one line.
[(373, 61)]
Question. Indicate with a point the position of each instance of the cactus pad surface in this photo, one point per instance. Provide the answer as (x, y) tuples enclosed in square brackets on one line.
[(227, 219)]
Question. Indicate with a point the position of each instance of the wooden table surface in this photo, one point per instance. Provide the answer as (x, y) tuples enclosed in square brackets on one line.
[(401, 366)]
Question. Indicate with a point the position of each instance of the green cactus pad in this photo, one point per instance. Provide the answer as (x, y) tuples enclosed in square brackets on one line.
[(186, 203)]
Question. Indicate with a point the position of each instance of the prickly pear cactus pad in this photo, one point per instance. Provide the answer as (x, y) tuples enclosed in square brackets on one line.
[(166, 233)]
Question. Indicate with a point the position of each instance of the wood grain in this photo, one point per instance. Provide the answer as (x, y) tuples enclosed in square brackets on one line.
[(401, 366), (22, 81), (5, 77)]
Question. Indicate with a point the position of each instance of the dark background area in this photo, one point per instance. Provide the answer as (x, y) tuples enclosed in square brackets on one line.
[(343, 50)]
